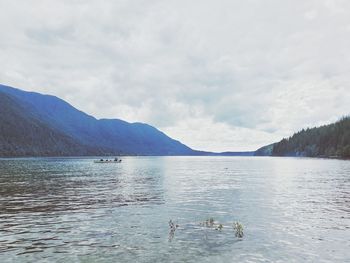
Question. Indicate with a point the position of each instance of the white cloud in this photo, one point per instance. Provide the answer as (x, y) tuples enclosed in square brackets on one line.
[(249, 72)]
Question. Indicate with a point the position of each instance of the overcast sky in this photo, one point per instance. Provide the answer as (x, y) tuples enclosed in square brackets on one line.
[(216, 74)]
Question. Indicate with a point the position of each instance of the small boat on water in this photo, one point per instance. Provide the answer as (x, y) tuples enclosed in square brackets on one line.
[(116, 160)]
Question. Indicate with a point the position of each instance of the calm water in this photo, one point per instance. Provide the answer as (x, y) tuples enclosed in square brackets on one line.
[(72, 210)]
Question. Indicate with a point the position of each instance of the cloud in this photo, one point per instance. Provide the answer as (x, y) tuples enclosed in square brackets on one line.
[(249, 72)]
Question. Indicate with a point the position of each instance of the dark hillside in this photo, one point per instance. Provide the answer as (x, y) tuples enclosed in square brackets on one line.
[(21, 134), (326, 141), (24, 112)]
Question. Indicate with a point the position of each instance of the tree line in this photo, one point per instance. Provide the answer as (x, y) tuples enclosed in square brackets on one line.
[(326, 141)]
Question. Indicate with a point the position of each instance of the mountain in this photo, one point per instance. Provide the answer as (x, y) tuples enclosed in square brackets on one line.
[(264, 151), (331, 140), (22, 134), (33, 124)]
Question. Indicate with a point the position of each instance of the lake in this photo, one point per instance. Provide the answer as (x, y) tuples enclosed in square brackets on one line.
[(73, 210)]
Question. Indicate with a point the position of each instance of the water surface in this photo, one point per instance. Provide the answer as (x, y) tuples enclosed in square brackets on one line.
[(72, 210)]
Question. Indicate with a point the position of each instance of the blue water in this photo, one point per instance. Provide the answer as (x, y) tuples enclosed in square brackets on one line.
[(73, 210)]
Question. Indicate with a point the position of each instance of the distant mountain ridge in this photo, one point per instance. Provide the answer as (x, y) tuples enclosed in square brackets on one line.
[(33, 124)]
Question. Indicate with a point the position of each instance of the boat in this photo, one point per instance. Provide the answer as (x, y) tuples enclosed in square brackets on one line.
[(108, 161)]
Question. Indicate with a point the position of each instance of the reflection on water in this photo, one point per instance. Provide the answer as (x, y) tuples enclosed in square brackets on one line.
[(62, 185), (72, 210)]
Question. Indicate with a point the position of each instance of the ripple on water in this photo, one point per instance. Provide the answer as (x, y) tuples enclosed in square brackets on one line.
[(75, 210)]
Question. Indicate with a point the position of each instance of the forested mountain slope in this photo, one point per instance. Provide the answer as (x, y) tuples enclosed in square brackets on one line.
[(22, 134), (64, 130), (326, 141)]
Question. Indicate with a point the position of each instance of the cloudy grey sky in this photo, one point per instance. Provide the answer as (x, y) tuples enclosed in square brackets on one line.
[(216, 74)]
